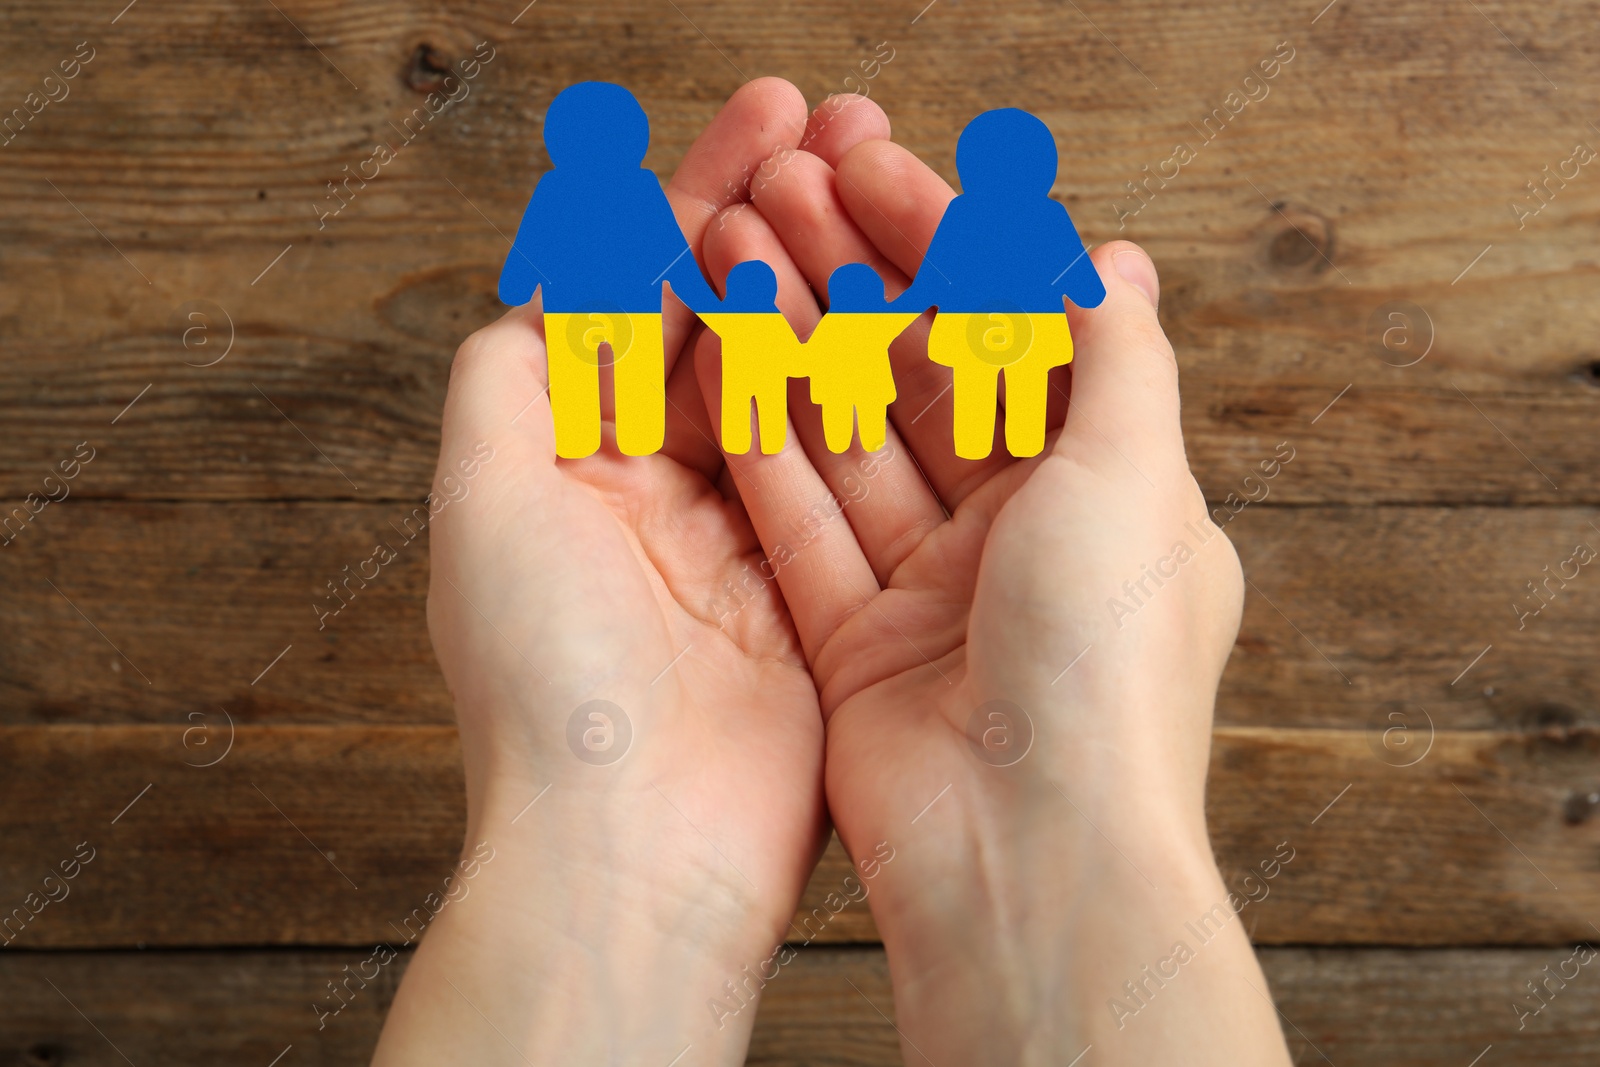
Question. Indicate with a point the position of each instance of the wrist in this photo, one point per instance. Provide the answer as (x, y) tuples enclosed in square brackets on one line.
[(551, 946), (617, 869), (1011, 869), (626, 848), (1008, 931), (612, 909)]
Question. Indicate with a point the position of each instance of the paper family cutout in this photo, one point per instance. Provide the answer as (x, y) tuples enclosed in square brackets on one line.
[(599, 240)]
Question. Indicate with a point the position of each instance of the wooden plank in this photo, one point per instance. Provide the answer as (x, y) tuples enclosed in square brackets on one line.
[(223, 590), (1478, 843), (1378, 1007), (1354, 616), (1369, 617), (1280, 250)]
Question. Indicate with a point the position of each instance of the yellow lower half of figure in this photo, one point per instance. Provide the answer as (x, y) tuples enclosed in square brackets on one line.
[(840, 419), (760, 353), (847, 358), (574, 340), (978, 348), (771, 416)]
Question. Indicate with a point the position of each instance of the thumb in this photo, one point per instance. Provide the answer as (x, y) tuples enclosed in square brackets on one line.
[(498, 388), (496, 419), (1124, 405)]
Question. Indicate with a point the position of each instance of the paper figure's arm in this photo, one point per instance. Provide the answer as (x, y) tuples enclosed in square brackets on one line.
[(690, 286), (931, 287), (1080, 282), (519, 277), (928, 289), (917, 298), (676, 261)]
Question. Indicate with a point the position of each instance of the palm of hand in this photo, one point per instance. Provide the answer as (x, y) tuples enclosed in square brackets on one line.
[(627, 560), (969, 668), (957, 584), (622, 579), (637, 566)]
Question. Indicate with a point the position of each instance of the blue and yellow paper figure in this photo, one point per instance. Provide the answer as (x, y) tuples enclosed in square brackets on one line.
[(760, 353), (598, 239), (847, 356), (1003, 256)]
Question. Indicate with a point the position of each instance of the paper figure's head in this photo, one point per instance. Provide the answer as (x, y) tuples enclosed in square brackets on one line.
[(752, 284), (855, 287), (1006, 152), (596, 126)]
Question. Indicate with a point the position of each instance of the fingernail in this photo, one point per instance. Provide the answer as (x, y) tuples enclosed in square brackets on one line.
[(1137, 270)]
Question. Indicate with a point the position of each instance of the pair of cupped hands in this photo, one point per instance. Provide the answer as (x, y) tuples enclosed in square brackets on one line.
[(784, 663)]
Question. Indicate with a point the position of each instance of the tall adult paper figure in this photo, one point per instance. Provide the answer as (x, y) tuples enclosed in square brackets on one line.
[(1002, 258), (598, 239)]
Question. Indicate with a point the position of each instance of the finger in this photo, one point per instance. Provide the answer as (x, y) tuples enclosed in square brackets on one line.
[(1055, 412), (895, 198), (761, 118), (690, 440), (499, 386), (886, 499), (810, 550), (840, 123), (496, 436), (896, 201), (1124, 408), (802, 205)]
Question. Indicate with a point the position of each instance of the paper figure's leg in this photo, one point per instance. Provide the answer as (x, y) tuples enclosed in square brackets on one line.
[(873, 420), (974, 384), (574, 389), (837, 424), (772, 416), (736, 398), (1027, 389), (640, 377), (975, 392), (1028, 383)]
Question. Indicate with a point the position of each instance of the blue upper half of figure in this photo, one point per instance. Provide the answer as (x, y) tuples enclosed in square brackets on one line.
[(856, 288), (599, 233), (752, 289), (1003, 244)]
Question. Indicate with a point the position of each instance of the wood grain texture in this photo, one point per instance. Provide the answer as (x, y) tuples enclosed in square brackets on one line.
[(1376, 1007), (1354, 615), (333, 835), (185, 173), (1384, 160)]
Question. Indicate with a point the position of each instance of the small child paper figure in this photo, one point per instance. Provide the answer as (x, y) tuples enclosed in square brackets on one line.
[(760, 353), (847, 356)]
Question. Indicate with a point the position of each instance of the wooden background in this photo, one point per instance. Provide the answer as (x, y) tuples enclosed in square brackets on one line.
[(1381, 667)]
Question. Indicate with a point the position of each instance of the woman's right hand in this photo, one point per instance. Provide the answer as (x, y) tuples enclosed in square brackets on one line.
[(1017, 661)]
